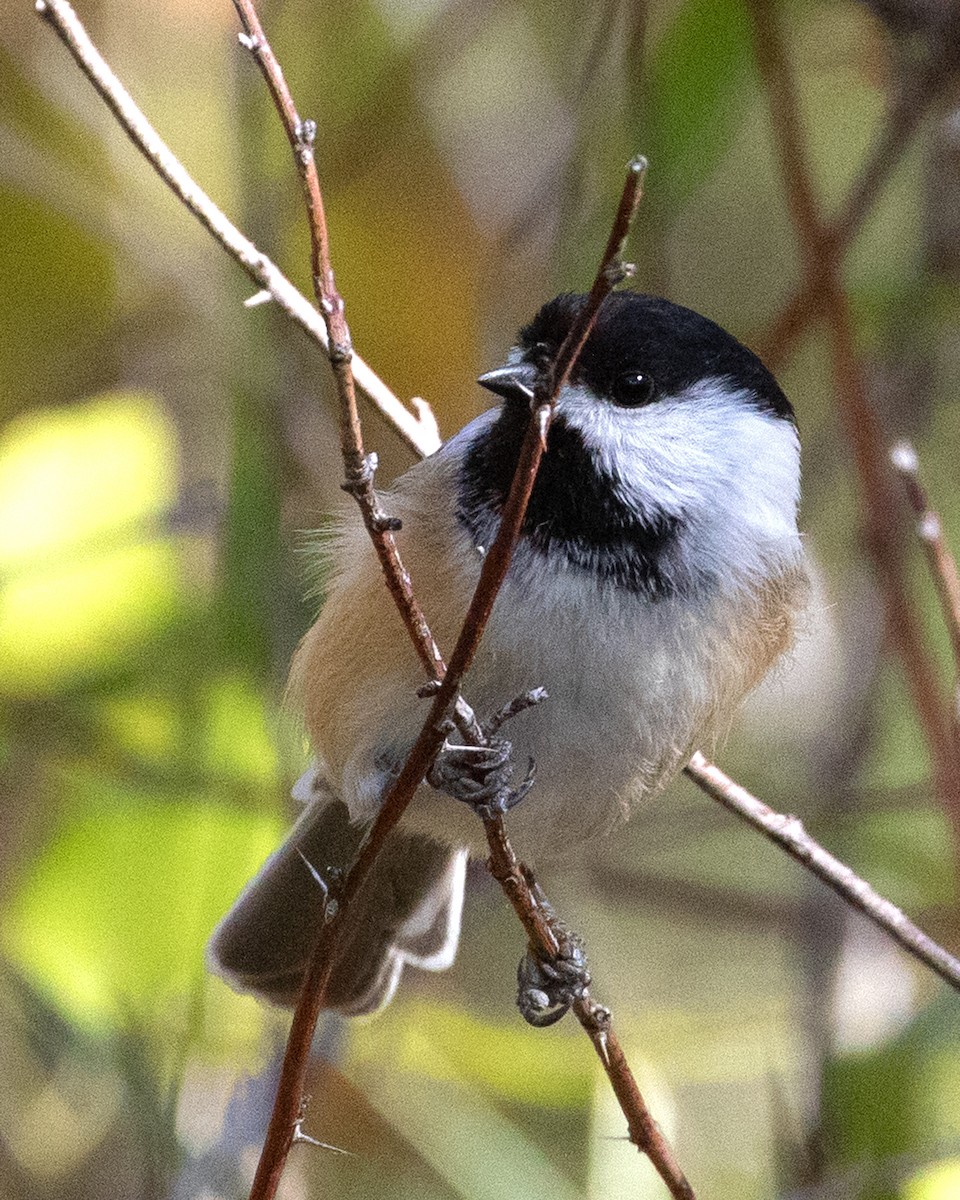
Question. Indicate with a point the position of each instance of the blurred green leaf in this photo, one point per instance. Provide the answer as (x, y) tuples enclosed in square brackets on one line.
[(939, 1182), (479, 1152), (442, 1042), (702, 80), (901, 1098), (111, 921), (85, 569)]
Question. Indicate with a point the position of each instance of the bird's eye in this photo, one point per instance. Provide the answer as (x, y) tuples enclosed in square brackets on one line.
[(633, 389)]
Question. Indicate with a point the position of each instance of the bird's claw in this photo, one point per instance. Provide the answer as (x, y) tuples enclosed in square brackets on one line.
[(547, 987), (480, 776)]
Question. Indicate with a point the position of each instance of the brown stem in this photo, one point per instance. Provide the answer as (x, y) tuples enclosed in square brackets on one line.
[(418, 431), (359, 467), (776, 343), (867, 443), (421, 434), (279, 1136), (940, 560), (788, 833), (643, 1131)]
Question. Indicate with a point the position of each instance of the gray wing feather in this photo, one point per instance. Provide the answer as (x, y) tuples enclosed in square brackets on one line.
[(408, 913)]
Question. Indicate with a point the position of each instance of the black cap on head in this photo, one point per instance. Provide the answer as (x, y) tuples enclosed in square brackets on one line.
[(672, 346)]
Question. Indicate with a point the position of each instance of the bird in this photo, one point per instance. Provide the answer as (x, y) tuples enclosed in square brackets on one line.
[(658, 577)]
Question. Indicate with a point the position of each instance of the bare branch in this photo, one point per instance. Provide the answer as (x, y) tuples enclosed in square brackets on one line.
[(918, 92), (788, 833), (419, 432), (822, 270), (643, 1129), (358, 465), (940, 560)]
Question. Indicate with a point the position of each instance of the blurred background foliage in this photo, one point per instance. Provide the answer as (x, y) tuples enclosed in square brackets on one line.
[(162, 454)]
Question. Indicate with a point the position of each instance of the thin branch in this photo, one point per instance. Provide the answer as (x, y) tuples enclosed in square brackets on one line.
[(789, 834), (917, 93), (420, 431), (940, 560), (421, 434), (358, 466), (867, 443), (515, 880), (642, 1128)]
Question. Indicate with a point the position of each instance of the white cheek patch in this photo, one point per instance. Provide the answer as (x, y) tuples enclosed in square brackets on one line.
[(707, 456)]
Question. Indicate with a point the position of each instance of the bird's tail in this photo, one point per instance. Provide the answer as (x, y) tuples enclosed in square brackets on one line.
[(407, 913)]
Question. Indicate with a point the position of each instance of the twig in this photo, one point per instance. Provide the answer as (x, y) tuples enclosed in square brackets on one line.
[(940, 560), (918, 91), (790, 835), (642, 1128), (422, 436), (358, 465), (420, 431), (644, 1133), (504, 865), (863, 432), (496, 564)]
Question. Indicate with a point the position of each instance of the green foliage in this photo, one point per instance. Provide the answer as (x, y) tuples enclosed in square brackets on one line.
[(894, 1107), (112, 919), (144, 632), (89, 574), (701, 81), (59, 292)]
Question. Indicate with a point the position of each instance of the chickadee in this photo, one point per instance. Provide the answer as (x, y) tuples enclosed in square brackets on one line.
[(658, 577)]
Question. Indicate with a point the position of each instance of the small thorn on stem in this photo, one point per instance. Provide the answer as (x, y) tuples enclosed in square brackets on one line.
[(542, 418), (299, 1137), (305, 132), (249, 42)]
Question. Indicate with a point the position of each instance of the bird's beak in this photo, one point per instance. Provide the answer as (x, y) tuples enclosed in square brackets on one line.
[(513, 382)]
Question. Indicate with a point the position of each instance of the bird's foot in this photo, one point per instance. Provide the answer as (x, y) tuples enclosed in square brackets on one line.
[(547, 987), (480, 776)]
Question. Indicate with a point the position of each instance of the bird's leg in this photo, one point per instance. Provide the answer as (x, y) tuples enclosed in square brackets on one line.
[(547, 986)]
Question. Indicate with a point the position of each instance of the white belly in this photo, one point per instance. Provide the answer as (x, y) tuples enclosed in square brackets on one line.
[(634, 687)]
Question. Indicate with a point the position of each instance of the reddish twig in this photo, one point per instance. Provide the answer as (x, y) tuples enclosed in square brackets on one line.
[(917, 93), (495, 566), (790, 835), (504, 865), (422, 436), (940, 560), (515, 880), (358, 466), (418, 431), (863, 431)]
